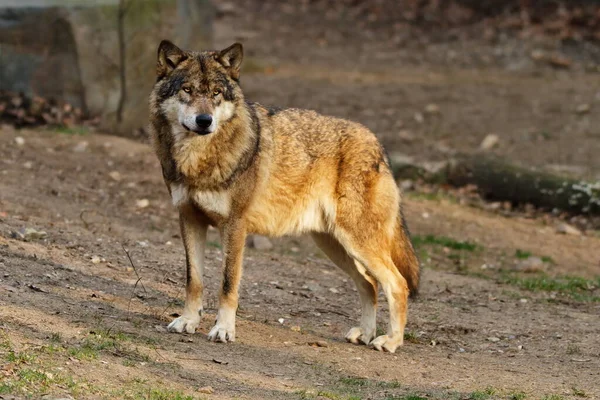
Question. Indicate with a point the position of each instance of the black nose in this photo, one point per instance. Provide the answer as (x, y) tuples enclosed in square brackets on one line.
[(203, 121)]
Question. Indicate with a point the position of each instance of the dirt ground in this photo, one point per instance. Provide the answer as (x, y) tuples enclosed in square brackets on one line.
[(79, 319)]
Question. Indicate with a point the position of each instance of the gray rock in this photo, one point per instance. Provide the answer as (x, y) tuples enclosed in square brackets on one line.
[(33, 234), (531, 265), (489, 142), (568, 229), (259, 242), (583, 108)]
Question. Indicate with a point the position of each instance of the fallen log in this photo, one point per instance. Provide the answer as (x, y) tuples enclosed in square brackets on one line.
[(499, 180)]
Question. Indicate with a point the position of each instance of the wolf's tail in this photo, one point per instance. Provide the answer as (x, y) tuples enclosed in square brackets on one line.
[(404, 256)]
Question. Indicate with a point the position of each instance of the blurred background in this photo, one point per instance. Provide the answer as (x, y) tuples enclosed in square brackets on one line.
[(488, 110), (517, 78)]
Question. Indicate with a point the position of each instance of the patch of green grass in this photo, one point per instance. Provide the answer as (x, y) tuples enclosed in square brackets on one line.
[(215, 245), (411, 337), (161, 394), (553, 397), (358, 382), (406, 397), (517, 396), (55, 337), (389, 384), (329, 395), (482, 394), (522, 254), (142, 389), (578, 288), (450, 243), (98, 341), (35, 381), (355, 381), (548, 259), (578, 392), (19, 358)]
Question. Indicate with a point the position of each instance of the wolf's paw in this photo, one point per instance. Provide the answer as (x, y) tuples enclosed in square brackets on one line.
[(358, 335), (224, 329), (222, 333), (387, 343), (187, 323)]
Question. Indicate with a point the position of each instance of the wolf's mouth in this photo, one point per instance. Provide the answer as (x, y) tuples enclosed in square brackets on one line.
[(197, 131)]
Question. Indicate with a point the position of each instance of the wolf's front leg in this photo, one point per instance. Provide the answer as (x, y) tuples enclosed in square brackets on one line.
[(233, 238), (193, 232)]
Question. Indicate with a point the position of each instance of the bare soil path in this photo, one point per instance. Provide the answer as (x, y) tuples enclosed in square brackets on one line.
[(75, 320)]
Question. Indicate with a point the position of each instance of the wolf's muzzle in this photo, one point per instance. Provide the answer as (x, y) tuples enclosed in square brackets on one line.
[(203, 122)]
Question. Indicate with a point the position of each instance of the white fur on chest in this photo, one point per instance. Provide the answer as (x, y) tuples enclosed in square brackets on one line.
[(209, 201)]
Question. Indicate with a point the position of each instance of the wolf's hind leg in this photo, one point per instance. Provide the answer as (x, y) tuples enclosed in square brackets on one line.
[(366, 285), (376, 257), (193, 232)]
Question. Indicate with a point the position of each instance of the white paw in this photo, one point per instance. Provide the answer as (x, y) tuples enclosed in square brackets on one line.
[(187, 323), (224, 329), (222, 334), (387, 343), (358, 335)]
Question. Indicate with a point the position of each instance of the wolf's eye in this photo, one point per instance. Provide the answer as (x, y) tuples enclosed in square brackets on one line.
[(187, 89), (216, 92)]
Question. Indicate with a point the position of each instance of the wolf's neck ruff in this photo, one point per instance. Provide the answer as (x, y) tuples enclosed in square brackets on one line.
[(202, 161)]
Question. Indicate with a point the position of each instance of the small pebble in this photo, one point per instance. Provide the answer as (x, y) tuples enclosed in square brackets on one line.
[(142, 203)]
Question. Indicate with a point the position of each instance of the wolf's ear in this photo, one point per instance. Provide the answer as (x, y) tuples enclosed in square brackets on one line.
[(169, 56), (231, 58)]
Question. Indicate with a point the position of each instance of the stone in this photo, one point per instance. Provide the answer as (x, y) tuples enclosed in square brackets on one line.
[(69, 50), (567, 229), (19, 141), (33, 234), (583, 108), (531, 265), (115, 175), (489, 142), (432, 109), (260, 242), (142, 203), (81, 147)]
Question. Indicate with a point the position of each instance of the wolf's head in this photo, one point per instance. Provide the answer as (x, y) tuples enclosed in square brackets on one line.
[(197, 92)]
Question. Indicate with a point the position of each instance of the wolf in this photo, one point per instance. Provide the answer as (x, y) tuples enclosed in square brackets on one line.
[(249, 169)]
